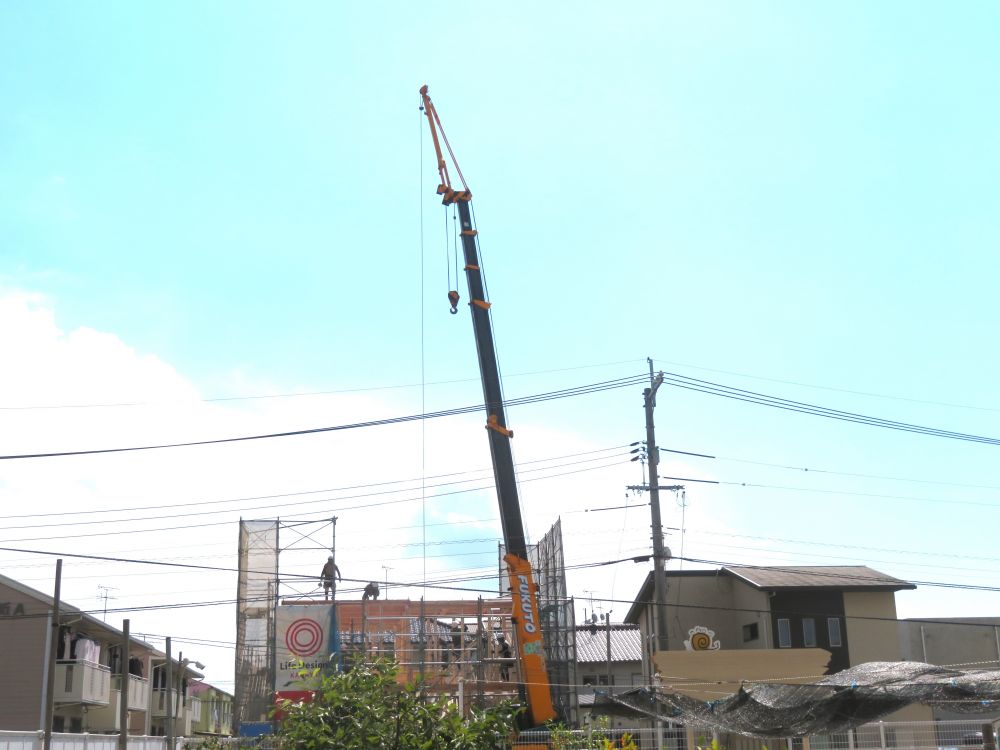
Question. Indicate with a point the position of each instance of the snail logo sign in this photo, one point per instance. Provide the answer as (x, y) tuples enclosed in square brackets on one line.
[(302, 641), (701, 638)]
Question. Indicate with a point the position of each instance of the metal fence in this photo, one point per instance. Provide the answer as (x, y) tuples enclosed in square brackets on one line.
[(883, 735), (887, 735), (74, 741)]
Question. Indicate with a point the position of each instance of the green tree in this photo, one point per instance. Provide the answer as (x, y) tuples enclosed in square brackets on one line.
[(366, 709)]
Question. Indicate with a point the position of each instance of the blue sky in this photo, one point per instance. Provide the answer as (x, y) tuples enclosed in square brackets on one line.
[(230, 198)]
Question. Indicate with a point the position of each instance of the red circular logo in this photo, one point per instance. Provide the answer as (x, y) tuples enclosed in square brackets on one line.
[(304, 637)]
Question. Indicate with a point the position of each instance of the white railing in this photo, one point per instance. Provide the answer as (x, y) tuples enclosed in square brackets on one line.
[(65, 741), (159, 704), (82, 682), (138, 691), (194, 709)]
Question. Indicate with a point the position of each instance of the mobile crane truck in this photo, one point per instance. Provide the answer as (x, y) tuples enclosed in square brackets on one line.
[(535, 687)]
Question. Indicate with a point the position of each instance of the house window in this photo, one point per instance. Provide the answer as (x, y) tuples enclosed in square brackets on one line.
[(833, 629), (784, 633), (809, 632), (750, 632)]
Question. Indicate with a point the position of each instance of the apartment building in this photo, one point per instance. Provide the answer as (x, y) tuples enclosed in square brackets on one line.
[(93, 675), (213, 714)]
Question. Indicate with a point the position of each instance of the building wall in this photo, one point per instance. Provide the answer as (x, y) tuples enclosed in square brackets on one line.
[(715, 599), (820, 607), (624, 675), (878, 640), (753, 610), (874, 639), (961, 643), (22, 650)]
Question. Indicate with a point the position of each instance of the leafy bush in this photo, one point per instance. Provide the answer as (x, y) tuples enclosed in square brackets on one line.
[(366, 709)]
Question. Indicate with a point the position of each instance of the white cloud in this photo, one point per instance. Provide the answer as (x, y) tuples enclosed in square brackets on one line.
[(357, 475)]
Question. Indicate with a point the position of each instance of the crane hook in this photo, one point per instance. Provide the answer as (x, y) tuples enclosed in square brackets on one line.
[(453, 300)]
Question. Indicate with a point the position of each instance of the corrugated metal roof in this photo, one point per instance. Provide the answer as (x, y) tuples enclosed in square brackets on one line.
[(626, 644), (818, 576)]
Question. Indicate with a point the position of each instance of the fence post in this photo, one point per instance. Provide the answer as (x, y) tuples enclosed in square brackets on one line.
[(850, 739), (989, 740), (881, 735)]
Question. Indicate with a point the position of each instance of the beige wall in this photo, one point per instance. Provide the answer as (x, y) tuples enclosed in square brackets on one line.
[(22, 651), (871, 639), (710, 592), (748, 598), (878, 640), (962, 644)]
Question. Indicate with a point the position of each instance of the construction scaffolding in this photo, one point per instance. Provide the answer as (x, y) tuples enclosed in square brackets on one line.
[(458, 648), (461, 648), (558, 619), (256, 594)]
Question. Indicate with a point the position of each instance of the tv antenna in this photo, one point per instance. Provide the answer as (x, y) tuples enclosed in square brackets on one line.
[(104, 592)]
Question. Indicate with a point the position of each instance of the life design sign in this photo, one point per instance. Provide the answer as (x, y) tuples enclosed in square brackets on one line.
[(302, 641)]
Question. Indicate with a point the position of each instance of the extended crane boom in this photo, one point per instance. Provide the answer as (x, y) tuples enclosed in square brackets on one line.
[(524, 591)]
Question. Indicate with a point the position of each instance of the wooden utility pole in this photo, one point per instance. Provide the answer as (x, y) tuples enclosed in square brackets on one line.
[(50, 674), (123, 690)]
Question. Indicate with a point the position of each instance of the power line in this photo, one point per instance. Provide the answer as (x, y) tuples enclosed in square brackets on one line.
[(442, 584), (299, 394), (855, 475), (243, 509), (200, 503), (536, 398), (326, 511), (831, 388), (717, 389)]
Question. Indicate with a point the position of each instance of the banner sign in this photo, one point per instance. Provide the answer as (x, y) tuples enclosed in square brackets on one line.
[(304, 640)]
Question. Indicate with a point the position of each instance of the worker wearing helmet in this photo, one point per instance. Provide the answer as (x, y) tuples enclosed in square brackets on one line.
[(327, 578)]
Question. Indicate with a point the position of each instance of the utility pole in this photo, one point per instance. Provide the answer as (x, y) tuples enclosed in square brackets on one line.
[(659, 561), (170, 698), (607, 624), (50, 675), (660, 552), (123, 690)]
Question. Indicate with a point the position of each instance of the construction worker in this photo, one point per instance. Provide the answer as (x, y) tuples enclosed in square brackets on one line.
[(506, 657), (327, 578)]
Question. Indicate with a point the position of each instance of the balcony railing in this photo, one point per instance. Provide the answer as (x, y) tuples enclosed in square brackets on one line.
[(160, 703), (138, 691), (82, 682), (194, 709)]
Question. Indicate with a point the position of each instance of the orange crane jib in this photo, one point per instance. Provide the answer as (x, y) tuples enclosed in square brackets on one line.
[(448, 194)]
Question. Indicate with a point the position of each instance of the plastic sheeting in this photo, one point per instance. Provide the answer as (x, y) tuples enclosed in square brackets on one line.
[(836, 703)]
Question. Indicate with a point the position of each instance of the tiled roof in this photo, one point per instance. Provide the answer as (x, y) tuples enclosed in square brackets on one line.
[(626, 644), (818, 576)]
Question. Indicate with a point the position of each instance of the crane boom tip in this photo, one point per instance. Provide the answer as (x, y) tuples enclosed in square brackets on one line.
[(423, 90)]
